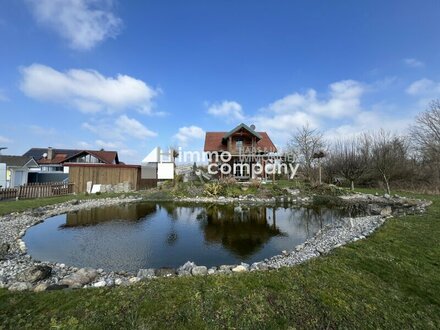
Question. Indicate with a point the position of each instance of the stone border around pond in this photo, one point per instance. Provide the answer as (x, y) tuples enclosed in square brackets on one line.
[(19, 272)]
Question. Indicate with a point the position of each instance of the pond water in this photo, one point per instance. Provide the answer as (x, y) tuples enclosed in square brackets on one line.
[(152, 235)]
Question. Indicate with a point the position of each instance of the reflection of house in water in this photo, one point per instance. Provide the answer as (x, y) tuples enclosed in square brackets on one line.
[(241, 231), (130, 212)]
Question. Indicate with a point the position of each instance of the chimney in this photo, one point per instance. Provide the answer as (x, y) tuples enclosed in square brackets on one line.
[(49, 153)]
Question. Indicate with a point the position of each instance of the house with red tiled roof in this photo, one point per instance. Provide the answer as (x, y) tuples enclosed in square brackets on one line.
[(53, 160), (242, 145)]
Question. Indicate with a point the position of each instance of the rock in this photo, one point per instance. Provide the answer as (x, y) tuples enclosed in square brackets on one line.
[(387, 196), (35, 274), (261, 266), (40, 287), (79, 278), (320, 250), (374, 209), (74, 202), (245, 265), (20, 286), (3, 282), (165, 272), (284, 252), (4, 249), (299, 247), (386, 211), (226, 267), (54, 287), (134, 279), (183, 273), (212, 270), (199, 270), (187, 266), (239, 269), (146, 273), (99, 284), (118, 281), (293, 192)]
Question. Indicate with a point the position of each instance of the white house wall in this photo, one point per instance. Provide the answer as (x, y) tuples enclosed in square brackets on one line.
[(3, 175)]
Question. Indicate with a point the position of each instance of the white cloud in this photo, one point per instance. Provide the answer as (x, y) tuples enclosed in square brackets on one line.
[(413, 63), (369, 121), (87, 90), (83, 23), (228, 110), (121, 129), (343, 100), (107, 144), (188, 133), (424, 87), (133, 128), (282, 117), (4, 140)]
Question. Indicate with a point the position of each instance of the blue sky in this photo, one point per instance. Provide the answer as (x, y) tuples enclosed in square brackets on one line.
[(132, 75)]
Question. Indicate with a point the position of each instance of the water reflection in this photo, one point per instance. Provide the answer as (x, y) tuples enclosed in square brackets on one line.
[(241, 231), (133, 236), (129, 212)]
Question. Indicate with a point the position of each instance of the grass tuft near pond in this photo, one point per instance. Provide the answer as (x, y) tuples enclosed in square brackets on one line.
[(391, 280)]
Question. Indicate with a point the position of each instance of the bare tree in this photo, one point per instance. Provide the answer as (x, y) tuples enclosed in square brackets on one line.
[(388, 155), (350, 159), (425, 134), (306, 143)]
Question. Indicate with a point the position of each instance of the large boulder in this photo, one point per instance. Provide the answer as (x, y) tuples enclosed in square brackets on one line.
[(35, 274), (81, 277), (186, 268), (239, 269), (199, 270)]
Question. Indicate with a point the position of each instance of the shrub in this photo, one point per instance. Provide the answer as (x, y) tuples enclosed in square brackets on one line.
[(228, 181), (255, 183), (213, 189)]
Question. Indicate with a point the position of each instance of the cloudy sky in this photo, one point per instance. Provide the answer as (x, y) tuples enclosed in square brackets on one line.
[(132, 75)]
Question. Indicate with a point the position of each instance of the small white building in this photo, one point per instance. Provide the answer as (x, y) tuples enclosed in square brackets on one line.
[(14, 170)]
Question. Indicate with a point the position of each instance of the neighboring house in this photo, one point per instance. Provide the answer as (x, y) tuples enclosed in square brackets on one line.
[(245, 145), (14, 170), (53, 160)]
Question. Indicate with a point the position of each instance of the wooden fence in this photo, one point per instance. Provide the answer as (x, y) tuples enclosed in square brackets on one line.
[(37, 190), (8, 193)]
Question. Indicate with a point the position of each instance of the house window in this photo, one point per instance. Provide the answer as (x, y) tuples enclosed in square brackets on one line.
[(239, 144)]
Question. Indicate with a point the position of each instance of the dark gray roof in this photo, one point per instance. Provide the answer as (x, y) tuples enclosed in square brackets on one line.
[(17, 161), (37, 153), (246, 127)]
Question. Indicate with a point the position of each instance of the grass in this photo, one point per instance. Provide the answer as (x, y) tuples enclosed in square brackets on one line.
[(389, 281), (7, 207)]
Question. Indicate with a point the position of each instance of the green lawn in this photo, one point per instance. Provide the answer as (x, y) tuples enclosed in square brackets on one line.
[(7, 207), (389, 281)]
